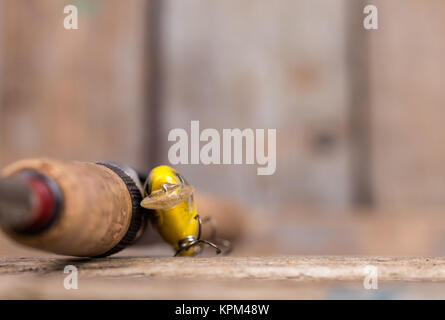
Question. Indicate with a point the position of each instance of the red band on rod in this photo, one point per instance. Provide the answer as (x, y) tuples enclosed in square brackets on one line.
[(44, 205)]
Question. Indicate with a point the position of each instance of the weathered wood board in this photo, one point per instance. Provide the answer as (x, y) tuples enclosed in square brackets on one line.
[(73, 94), (260, 65), (304, 268), (407, 103), (285, 277)]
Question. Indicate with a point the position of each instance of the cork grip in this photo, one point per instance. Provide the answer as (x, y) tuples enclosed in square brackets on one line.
[(96, 210)]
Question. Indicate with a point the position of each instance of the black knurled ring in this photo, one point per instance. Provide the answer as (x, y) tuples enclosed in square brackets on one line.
[(136, 212)]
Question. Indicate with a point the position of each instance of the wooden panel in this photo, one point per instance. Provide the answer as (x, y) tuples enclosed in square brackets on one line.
[(231, 278), (263, 64), (297, 268), (75, 94), (407, 76)]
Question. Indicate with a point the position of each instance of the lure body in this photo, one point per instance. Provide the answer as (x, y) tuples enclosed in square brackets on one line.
[(179, 222)]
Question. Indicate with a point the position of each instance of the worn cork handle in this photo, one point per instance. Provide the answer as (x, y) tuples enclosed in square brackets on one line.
[(96, 211)]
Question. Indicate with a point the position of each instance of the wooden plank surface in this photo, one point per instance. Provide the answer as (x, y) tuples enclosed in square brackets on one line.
[(73, 94), (284, 277), (263, 65), (279, 259), (407, 75), (298, 268)]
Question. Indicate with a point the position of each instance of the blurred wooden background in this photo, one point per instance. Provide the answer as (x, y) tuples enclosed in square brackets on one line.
[(359, 118), (73, 94), (407, 103), (358, 113)]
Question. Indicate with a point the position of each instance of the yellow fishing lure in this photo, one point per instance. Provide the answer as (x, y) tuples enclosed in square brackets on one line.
[(174, 214)]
